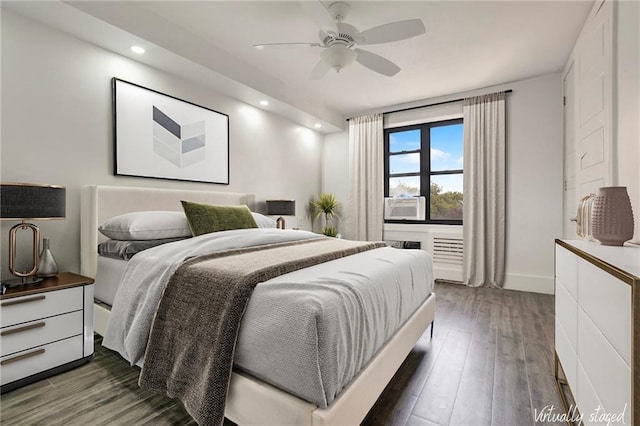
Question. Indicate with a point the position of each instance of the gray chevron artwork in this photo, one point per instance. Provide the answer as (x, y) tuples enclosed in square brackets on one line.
[(183, 145)]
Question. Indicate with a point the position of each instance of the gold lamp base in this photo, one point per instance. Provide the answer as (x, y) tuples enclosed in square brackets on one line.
[(26, 277)]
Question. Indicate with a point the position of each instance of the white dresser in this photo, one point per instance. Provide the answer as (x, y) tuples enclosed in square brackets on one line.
[(46, 328), (598, 330)]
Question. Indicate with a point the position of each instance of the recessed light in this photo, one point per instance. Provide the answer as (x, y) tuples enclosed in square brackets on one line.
[(318, 125), (137, 49), (264, 103)]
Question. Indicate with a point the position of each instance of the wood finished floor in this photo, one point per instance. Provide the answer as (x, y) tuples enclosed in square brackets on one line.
[(490, 362)]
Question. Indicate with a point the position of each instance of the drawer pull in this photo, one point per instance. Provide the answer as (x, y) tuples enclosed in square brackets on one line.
[(21, 357), (25, 300), (21, 329)]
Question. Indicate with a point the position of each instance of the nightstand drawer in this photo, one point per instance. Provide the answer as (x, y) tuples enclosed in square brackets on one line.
[(26, 363), (17, 310), (37, 333)]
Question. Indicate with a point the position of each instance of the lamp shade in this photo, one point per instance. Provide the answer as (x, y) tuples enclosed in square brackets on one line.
[(20, 201), (281, 207)]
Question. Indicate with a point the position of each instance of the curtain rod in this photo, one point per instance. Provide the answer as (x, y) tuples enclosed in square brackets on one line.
[(429, 105)]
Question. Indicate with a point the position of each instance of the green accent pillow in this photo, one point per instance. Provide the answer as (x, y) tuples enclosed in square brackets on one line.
[(205, 218)]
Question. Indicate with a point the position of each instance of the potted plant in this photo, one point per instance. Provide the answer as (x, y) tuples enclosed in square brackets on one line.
[(327, 204)]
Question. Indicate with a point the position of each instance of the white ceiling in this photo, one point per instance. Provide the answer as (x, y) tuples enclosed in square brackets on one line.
[(468, 45)]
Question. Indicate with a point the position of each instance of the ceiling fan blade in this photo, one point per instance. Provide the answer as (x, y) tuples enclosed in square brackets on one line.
[(393, 31), (319, 70), (320, 15), (273, 46), (377, 63)]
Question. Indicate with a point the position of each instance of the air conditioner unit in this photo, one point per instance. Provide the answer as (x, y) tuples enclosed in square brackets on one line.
[(413, 208)]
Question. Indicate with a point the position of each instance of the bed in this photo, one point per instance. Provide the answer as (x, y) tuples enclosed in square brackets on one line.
[(249, 400)]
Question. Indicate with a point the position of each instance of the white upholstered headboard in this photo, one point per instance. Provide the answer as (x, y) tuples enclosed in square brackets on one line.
[(100, 203)]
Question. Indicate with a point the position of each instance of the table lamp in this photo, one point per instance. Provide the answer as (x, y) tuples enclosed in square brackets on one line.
[(281, 208), (25, 202)]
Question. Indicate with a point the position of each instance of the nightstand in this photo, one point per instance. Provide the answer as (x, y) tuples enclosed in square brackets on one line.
[(45, 328)]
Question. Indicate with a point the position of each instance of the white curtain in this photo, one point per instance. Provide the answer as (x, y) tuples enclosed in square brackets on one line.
[(366, 178), (483, 213)]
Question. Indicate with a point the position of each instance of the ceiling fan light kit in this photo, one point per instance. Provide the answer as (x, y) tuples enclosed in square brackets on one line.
[(338, 56), (339, 40)]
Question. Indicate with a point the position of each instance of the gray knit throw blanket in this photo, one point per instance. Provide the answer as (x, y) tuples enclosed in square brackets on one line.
[(193, 337)]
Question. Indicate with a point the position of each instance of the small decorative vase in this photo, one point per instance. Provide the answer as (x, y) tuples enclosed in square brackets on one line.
[(47, 267), (612, 219)]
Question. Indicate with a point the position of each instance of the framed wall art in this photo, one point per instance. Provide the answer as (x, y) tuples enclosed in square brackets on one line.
[(161, 136)]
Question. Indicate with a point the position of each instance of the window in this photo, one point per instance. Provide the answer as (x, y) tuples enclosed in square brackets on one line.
[(426, 160)]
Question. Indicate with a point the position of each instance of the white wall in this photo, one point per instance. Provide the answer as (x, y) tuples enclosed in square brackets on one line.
[(335, 176), (626, 115), (534, 177), (534, 182), (57, 128)]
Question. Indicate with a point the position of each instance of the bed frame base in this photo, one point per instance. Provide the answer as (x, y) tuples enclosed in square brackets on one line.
[(253, 402)]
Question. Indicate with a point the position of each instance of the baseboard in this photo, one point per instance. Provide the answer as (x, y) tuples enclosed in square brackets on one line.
[(531, 283), (518, 282)]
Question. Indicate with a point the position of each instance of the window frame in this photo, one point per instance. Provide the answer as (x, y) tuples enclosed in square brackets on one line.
[(425, 167)]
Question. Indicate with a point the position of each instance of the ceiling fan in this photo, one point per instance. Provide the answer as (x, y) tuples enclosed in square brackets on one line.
[(339, 40)]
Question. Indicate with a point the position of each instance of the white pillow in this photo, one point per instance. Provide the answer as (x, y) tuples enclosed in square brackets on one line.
[(263, 221), (147, 225)]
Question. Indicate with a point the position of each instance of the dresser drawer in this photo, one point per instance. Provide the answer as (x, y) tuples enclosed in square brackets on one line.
[(567, 270), (607, 302), (567, 313), (23, 364), (584, 392), (29, 308), (608, 373), (566, 354), (37, 333)]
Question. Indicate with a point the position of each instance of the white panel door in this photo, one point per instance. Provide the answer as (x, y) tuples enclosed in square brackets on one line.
[(594, 88)]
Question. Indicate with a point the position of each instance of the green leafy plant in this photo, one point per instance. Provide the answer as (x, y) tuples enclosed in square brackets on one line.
[(330, 231), (327, 204)]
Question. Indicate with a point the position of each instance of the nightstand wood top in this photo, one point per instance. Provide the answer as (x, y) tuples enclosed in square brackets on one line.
[(61, 281)]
